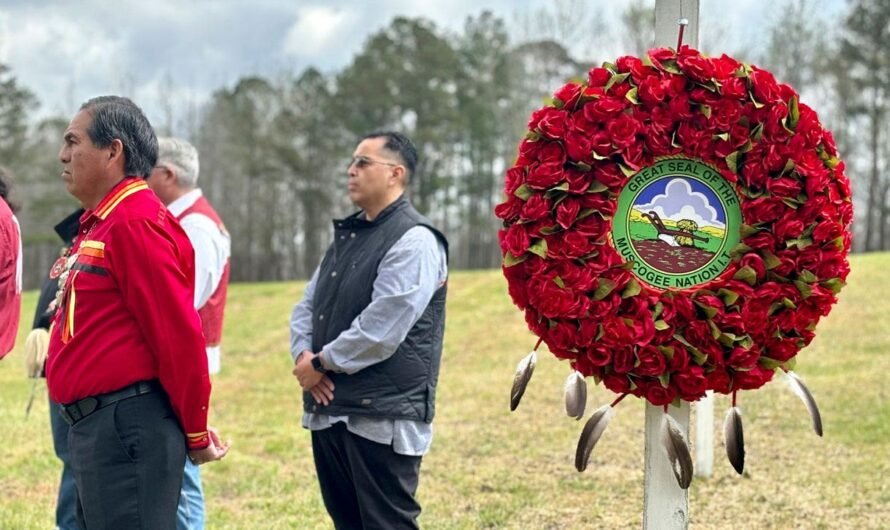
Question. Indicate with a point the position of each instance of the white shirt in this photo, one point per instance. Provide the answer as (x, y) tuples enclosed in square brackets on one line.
[(212, 250)]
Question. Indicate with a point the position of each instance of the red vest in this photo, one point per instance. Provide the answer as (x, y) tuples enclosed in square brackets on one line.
[(212, 312)]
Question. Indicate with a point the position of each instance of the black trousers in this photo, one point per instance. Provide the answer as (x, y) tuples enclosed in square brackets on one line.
[(365, 485), (127, 463)]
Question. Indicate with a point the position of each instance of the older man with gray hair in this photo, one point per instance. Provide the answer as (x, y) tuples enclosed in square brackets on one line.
[(174, 180)]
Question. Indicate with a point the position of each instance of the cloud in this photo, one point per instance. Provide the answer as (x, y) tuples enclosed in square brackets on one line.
[(81, 52), (317, 30), (680, 202)]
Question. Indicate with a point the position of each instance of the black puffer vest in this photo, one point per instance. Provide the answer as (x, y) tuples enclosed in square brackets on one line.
[(404, 385)]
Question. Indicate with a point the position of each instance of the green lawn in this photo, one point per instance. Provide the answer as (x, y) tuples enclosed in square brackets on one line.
[(490, 468)]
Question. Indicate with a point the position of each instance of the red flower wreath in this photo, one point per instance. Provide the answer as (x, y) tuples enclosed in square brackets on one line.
[(584, 299)]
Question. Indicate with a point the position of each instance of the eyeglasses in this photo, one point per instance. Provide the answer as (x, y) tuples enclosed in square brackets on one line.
[(362, 161)]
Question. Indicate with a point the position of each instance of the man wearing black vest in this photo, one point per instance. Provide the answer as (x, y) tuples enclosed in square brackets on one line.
[(366, 341)]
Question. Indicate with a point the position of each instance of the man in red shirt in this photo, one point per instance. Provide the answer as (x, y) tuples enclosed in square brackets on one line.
[(10, 268), (126, 354)]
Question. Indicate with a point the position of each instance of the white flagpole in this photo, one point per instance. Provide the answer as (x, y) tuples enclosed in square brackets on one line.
[(704, 435), (665, 504)]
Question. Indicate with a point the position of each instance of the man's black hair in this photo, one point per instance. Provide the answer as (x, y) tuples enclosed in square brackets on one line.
[(118, 117), (399, 144)]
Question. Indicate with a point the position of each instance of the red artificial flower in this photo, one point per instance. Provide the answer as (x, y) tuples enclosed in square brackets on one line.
[(553, 123), (623, 131), (623, 360), (568, 94), (695, 65), (692, 383), (578, 146), (719, 380), (679, 359), (725, 67), (617, 383), (535, 208), (577, 180), (598, 77), (764, 86), (516, 240), (544, 176), (650, 361), (652, 90), (753, 378), (605, 108), (743, 359), (567, 212), (657, 394)]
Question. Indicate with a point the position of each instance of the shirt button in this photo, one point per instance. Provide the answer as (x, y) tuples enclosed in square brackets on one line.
[(203, 408), (320, 317), (334, 274), (352, 235), (342, 237)]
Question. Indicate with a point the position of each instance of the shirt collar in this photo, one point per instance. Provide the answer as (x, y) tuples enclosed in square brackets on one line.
[(184, 202), (118, 193)]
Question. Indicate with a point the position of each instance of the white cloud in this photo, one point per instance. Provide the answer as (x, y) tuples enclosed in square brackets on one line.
[(680, 202), (316, 30), (49, 53)]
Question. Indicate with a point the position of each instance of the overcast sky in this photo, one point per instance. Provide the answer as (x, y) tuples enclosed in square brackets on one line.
[(68, 51)]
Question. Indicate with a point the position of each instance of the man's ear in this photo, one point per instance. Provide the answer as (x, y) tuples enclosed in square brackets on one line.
[(400, 175), (168, 176), (116, 152)]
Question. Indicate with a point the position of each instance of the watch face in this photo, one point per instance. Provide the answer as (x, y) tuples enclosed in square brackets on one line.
[(316, 363)]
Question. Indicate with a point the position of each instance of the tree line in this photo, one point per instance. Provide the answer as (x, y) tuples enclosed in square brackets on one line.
[(274, 150)]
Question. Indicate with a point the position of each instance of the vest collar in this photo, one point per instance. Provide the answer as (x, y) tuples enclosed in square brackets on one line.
[(67, 228), (357, 220)]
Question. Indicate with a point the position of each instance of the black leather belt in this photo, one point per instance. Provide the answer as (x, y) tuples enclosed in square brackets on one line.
[(80, 409)]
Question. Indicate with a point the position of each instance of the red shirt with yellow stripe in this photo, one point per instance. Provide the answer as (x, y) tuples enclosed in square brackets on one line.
[(127, 310)]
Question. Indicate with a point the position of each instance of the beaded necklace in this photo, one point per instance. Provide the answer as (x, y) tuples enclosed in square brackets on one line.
[(61, 269)]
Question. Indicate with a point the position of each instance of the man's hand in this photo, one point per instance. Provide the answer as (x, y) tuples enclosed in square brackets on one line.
[(305, 373), (323, 392), (215, 451)]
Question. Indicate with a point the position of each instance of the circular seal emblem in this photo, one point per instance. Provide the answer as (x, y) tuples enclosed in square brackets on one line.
[(677, 221)]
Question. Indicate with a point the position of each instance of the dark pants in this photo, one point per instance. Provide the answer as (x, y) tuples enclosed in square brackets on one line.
[(66, 510), (365, 485), (127, 463)]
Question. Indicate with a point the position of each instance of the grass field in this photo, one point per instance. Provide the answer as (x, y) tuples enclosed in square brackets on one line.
[(490, 468)]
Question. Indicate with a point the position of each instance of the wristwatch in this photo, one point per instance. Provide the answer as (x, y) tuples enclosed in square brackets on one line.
[(316, 363)]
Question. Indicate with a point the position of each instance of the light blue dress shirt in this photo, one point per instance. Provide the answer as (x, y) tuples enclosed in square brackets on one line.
[(407, 277)]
